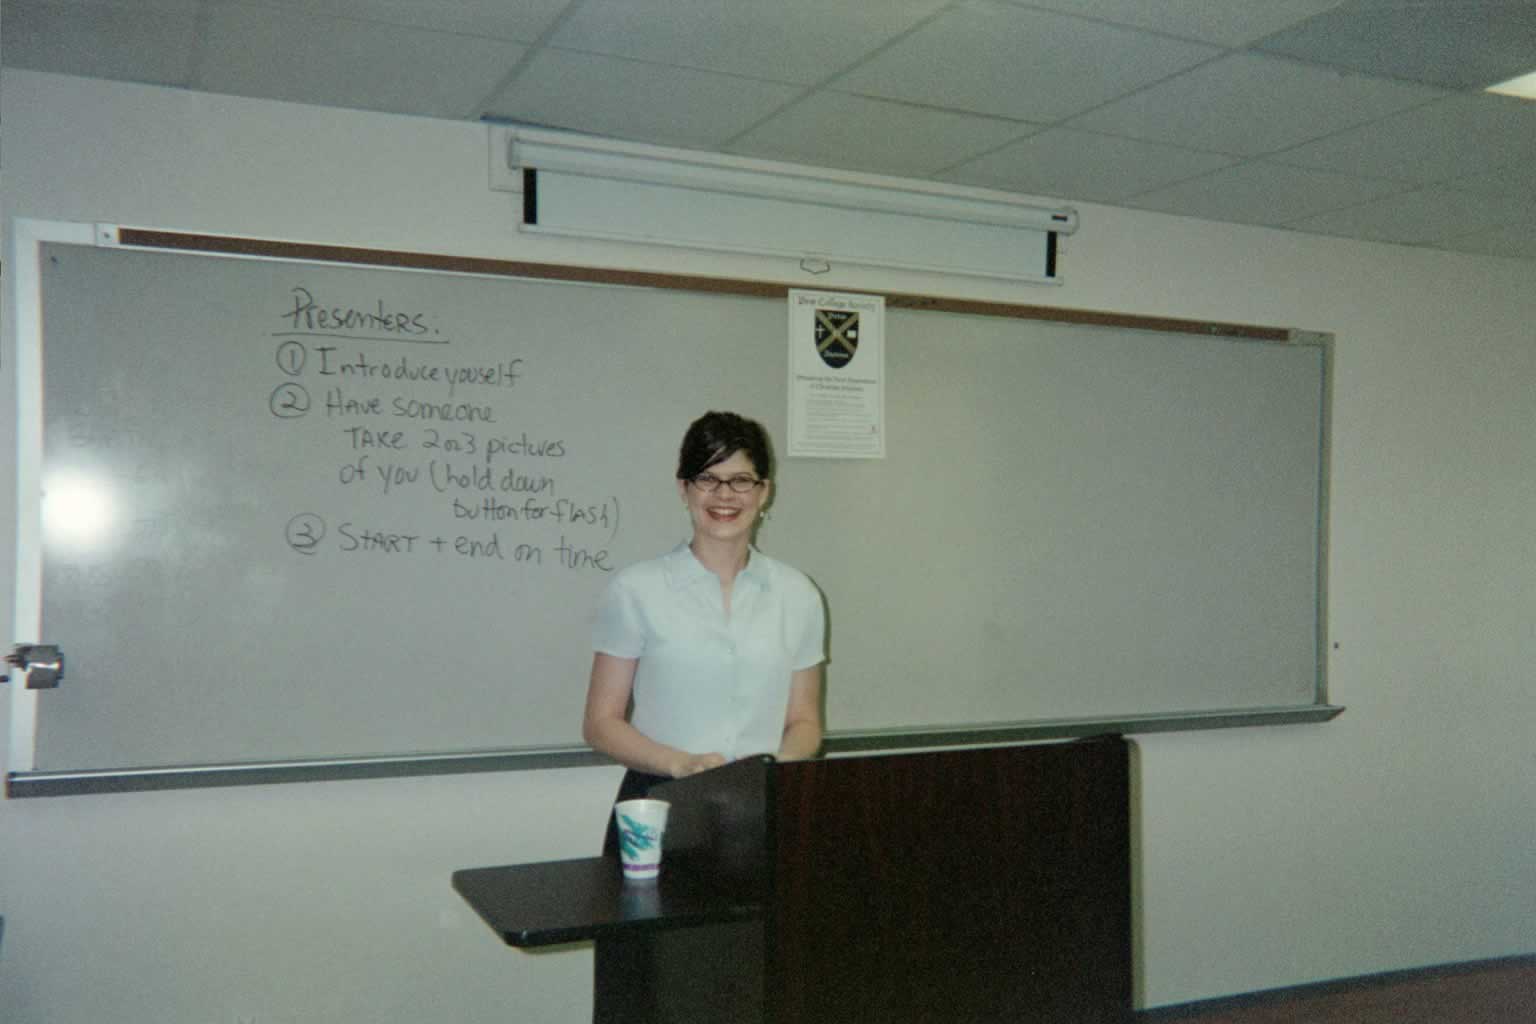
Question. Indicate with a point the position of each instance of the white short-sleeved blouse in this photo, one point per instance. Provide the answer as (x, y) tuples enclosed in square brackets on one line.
[(707, 683)]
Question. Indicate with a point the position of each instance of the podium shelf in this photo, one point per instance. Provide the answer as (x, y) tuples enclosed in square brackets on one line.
[(555, 902)]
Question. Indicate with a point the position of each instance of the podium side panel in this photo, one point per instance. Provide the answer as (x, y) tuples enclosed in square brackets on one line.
[(969, 886)]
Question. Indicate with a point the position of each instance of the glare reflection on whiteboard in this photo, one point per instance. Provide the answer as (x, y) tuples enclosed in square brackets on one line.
[(78, 511)]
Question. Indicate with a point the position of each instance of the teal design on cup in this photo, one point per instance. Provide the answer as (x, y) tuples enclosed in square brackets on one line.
[(636, 837)]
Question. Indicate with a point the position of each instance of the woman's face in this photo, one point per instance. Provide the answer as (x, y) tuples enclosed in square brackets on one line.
[(723, 514)]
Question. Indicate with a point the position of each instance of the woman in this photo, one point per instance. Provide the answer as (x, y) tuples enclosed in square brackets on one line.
[(707, 654), (712, 652)]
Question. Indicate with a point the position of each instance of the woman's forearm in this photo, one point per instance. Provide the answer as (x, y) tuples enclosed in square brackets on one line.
[(801, 740), (802, 734)]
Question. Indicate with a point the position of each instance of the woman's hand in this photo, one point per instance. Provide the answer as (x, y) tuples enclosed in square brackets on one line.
[(691, 764)]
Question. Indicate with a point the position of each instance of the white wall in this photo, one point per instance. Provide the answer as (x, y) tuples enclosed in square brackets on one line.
[(1399, 835)]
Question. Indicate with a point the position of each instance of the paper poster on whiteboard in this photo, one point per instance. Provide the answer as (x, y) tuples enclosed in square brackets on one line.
[(836, 375)]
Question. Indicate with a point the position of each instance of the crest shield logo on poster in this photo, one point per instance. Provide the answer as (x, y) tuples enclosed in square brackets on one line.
[(837, 336)]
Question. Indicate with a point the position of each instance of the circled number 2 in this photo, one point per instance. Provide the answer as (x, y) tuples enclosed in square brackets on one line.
[(289, 401)]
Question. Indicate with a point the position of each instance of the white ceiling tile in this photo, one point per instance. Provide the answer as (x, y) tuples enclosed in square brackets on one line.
[(1516, 180), (287, 55), (1458, 45), (521, 21), (1249, 105), (1225, 23), (148, 42), (802, 41), (1260, 193), (991, 58), (1084, 166), (634, 100), (1418, 217), (1452, 138), (1516, 242), (838, 130)]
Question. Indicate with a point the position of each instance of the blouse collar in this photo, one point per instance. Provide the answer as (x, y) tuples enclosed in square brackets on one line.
[(684, 568)]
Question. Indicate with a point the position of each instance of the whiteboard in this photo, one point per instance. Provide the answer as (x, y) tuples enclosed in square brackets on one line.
[(356, 512)]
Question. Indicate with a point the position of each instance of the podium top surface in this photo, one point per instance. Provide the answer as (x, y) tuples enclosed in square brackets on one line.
[(554, 902)]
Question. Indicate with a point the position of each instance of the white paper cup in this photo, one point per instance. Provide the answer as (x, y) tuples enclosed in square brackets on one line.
[(641, 826)]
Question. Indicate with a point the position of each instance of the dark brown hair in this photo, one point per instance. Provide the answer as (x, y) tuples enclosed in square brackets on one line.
[(716, 436)]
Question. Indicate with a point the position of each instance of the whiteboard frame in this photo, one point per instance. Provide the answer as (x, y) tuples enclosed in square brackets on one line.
[(26, 300), (22, 778)]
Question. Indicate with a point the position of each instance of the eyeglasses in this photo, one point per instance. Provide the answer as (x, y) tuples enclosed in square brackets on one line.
[(741, 483)]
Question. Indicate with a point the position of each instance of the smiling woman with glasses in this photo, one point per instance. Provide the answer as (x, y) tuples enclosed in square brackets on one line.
[(694, 663), (710, 653)]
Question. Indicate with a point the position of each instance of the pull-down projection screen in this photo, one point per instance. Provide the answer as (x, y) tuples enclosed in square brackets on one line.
[(308, 513)]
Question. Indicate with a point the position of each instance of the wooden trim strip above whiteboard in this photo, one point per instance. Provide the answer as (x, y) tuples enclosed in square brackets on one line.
[(231, 245)]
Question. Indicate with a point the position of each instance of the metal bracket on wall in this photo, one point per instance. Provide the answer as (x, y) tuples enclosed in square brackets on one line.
[(42, 663)]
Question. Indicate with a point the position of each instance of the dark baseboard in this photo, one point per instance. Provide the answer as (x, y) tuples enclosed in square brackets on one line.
[(1235, 1005)]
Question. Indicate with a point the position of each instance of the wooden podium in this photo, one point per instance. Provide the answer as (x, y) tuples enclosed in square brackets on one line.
[(966, 887)]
